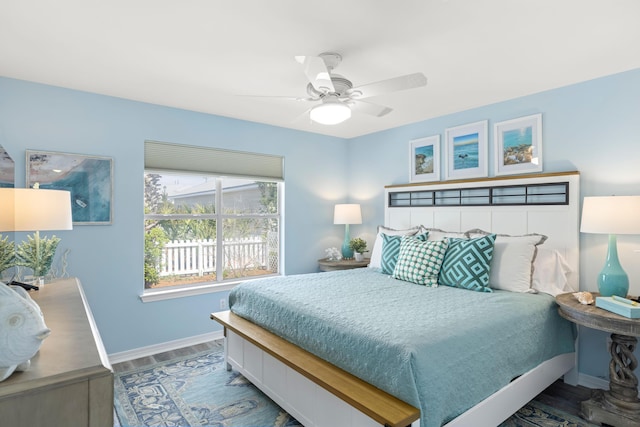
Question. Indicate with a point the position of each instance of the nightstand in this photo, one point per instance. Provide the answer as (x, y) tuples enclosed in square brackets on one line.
[(344, 264), (619, 406)]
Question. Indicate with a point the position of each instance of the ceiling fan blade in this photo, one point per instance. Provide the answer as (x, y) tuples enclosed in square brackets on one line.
[(303, 116), (316, 71), (369, 108), (289, 98), (410, 81)]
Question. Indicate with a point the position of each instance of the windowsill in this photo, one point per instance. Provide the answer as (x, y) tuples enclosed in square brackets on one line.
[(188, 291), (165, 294)]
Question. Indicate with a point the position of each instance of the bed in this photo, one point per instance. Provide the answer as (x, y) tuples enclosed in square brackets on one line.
[(372, 347)]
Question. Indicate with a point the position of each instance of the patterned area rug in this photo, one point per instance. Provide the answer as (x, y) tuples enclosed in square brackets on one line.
[(197, 390), (194, 390), (537, 414)]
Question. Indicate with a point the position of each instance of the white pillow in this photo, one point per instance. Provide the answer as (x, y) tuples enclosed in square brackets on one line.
[(512, 262), (376, 252), (437, 234), (550, 271)]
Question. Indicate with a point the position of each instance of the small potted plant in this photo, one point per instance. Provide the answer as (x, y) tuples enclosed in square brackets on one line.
[(358, 246), (7, 253), (37, 254)]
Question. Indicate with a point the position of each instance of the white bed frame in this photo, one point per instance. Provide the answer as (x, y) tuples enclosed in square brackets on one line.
[(318, 400)]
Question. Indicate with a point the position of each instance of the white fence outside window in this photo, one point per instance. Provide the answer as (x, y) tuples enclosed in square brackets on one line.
[(198, 257)]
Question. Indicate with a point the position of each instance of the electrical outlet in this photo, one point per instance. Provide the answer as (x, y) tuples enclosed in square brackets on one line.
[(223, 304)]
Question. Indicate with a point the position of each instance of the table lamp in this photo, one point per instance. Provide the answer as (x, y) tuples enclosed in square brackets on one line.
[(30, 209), (347, 214), (611, 215)]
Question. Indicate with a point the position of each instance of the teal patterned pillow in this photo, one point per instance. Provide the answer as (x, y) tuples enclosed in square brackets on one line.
[(419, 262), (467, 263), (391, 250)]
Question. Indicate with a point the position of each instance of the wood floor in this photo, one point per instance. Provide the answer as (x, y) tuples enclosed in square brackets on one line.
[(565, 397), (163, 357), (559, 395)]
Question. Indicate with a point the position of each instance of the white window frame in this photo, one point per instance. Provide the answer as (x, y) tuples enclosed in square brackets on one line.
[(178, 291), (271, 172)]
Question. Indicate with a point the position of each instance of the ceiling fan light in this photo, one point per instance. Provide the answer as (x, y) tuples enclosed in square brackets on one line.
[(330, 113)]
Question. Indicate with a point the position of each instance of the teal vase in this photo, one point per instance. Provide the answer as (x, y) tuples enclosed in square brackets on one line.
[(612, 279), (347, 253)]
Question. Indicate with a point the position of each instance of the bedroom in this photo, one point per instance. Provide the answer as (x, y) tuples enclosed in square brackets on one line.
[(590, 126)]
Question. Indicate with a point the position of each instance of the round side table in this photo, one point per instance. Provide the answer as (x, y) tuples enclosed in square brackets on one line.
[(619, 406), (343, 264)]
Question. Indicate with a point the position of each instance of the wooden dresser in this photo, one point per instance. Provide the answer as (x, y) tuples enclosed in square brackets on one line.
[(70, 382)]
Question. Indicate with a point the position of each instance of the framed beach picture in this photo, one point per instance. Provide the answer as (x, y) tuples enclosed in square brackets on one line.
[(88, 178), (466, 151), (424, 159), (518, 145)]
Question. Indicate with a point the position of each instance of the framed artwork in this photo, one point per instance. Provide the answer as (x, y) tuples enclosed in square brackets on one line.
[(7, 169), (88, 178), (424, 159), (518, 145), (466, 151)]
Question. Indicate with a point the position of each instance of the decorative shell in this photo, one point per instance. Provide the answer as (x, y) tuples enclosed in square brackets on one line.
[(585, 298), (22, 330)]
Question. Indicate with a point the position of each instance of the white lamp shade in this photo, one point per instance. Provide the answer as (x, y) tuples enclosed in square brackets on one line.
[(347, 214), (611, 215), (28, 209), (330, 112)]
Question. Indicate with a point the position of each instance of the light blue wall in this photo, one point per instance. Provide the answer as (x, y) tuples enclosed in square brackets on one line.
[(592, 127), (108, 259)]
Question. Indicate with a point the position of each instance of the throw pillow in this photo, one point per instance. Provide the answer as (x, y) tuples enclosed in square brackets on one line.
[(437, 234), (420, 262), (376, 252), (391, 251), (467, 263), (551, 273), (513, 257)]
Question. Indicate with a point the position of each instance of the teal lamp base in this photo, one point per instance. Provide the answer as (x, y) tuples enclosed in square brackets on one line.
[(347, 252), (613, 280)]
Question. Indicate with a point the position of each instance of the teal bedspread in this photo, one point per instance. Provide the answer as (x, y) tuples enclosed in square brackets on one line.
[(441, 349)]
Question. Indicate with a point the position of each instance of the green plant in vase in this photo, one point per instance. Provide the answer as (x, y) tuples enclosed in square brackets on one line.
[(37, 254), (358, 246), (7, 254)]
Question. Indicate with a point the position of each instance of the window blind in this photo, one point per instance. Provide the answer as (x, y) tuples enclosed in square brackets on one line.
[(163, 156)]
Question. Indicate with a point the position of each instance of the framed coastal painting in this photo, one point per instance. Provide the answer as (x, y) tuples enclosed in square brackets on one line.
[(518, 145), (424, 158), (88, 178), (466, 151)]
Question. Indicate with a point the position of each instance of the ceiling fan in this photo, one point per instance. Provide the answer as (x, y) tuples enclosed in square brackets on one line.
[(337, 95)]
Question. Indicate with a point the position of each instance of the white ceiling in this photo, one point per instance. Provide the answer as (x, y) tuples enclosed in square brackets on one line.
[(205, 55)]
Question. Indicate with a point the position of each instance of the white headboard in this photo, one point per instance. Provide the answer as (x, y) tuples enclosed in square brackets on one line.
[(494, 204)]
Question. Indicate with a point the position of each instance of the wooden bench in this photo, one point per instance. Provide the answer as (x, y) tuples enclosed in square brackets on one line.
[(376, 404)]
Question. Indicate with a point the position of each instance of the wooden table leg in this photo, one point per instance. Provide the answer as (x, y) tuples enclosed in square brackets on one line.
[(620, 405)]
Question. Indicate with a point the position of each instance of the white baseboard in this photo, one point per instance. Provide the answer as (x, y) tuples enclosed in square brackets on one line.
[(137, 353), (593, 382)]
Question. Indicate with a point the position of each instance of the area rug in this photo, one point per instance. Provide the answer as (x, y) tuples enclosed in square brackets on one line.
[(197, 390), (537, 414), (194, 390)]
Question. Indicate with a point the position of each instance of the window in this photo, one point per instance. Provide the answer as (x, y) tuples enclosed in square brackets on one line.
[(204, 228)]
